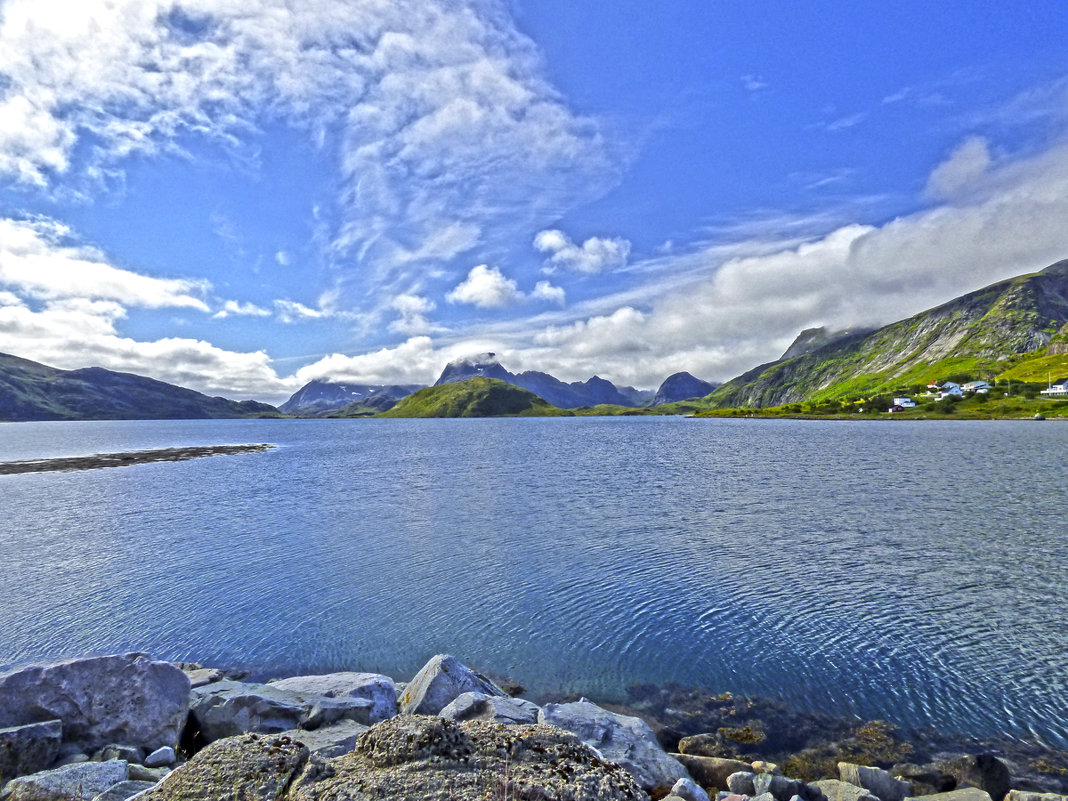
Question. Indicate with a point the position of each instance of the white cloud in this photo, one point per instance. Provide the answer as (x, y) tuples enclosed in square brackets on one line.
[(415, 361), (485, 287), (753, 83), (283, 258), (37, 259), (436, 111), (543, 290), (967, 164), (74, 333), (291, 311), (413, 310), (593, 256), (233, 308)]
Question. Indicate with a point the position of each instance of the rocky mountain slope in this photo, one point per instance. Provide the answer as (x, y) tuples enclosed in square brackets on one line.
[(322, 397), (474, 397), (32, 391), (979, 333), (592, 392)]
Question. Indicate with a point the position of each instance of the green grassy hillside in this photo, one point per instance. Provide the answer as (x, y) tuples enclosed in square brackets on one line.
[(981, 334), (474, 397)]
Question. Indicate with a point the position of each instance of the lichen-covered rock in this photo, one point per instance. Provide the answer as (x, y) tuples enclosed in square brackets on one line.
[(81, 782), (1027, 795), (250, 767), (439, 683), (421, 758), (374, 687), (960, 794), (875, 780), (707, 744), (479, 706), (128, 698), (623, 739), (29, 748)]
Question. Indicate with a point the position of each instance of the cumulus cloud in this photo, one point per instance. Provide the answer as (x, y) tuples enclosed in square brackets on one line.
[(592, 256), (543, 290), (413, 310), (414, 361), (967, 164), (73, 333), (485, 287), (39, 259), (233, 308)]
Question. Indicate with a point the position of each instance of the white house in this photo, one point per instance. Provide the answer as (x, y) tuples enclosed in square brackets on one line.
[(977, 386), (904, 403), (1057, 389), (949, 388)]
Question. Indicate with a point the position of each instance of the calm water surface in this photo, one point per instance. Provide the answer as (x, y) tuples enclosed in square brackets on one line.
[(911, 571)]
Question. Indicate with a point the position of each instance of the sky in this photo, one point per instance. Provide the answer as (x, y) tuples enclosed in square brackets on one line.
[(241, 196)]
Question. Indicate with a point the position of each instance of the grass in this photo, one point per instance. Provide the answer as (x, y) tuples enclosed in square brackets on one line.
[(474, 397)]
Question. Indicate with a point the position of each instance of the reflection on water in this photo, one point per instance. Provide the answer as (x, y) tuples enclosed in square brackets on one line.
[(908, 571)]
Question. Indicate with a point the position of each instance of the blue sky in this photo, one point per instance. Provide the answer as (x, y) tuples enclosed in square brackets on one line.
[(243, 196)]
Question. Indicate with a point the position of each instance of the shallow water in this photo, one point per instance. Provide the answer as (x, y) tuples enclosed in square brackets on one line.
[(913, 571)]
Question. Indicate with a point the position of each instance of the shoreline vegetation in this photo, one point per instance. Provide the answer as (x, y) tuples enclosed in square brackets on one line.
[(111, 728), (126, 458)]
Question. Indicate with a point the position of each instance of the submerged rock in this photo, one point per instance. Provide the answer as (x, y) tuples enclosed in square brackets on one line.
[(439, 683), (101, 700), (623, 739), (710, 772)]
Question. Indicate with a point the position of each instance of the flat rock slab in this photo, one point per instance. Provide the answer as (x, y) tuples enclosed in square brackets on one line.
[(82, 782), (125, 459), (875, 780), (128, 698), (374, 687), (623, 739), (836, 790), (334, 740), (29, 748), (479, 706)]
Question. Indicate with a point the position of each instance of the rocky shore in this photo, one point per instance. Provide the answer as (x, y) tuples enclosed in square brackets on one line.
[(126, 458), (120, 727)]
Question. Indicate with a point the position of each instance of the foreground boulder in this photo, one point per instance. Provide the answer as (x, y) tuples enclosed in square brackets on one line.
[(81, 782), (439, 683), (374, 687), (625, 740), (29, 748), (126, 698), (407, 758), (228, 708), (876, 780)]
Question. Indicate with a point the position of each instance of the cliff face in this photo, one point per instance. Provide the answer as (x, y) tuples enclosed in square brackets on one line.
[(969, 334)]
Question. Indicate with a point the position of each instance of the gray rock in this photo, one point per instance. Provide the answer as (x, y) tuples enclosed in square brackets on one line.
[(123, 791), (984, 771), (836, 790), (251, 767), (1026, 795), (160, 757), (741, 783), (960, 794), (710, 772), (329, 741), (73, 758), (689, 790), (438, 684), (925, 779), (764, 797), (229, 708), (142, 774), (376, 688), (81, 782), (877, 781), (781, 788), (626, 740), (107, 699), (128, 753), (479, 706), (29, 748), (198, 677)]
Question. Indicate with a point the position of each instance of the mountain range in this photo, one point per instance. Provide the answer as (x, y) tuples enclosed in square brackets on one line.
[(32, 391)]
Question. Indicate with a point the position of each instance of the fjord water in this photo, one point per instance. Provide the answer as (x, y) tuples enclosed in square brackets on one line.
[(916, 572)]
